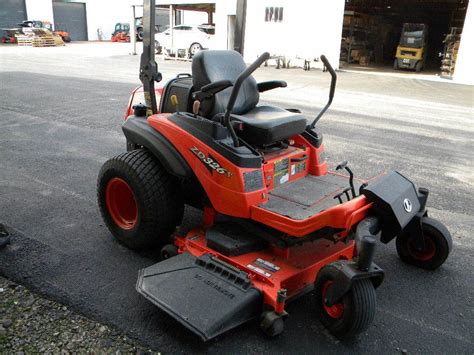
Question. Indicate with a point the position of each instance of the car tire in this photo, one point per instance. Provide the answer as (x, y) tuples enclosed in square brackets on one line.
[(140, 34), (194, 48), (158, 48)]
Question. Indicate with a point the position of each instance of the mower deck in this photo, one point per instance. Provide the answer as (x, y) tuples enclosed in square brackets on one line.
[(211, 292)]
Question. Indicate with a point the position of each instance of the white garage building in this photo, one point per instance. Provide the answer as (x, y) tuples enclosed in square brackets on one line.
[(290, 28)]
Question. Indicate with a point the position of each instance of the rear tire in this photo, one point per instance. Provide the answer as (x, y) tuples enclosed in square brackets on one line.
[(67, 39), (438, 244), (140, 202), (354, 313)]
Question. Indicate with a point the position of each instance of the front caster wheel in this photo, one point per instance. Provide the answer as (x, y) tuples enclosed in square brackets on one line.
[(437, 245), (168, 251), (272, 324), (353, 313)]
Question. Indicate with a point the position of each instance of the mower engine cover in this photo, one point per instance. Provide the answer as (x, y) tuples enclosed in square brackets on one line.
[(395, 200)]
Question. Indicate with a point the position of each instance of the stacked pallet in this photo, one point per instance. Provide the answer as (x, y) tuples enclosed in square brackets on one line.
[(450, 53), (39, 38)]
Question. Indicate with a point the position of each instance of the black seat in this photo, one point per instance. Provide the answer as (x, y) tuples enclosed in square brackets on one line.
[(257, 125)]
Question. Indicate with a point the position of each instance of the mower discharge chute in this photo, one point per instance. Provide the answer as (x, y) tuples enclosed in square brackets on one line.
[(276, 222)]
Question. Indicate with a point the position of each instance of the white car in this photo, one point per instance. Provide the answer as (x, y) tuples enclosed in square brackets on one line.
[(186, 37)]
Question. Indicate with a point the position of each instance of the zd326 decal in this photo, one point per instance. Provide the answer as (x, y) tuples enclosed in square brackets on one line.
[(210, 162)]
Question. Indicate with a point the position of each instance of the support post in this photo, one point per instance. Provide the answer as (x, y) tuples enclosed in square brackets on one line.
[(133, 32), (148, 67), (239, 37), (172, 20)]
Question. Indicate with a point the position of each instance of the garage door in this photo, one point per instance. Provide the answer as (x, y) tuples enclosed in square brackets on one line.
[(400, 34), (12, 12), (71, 17)]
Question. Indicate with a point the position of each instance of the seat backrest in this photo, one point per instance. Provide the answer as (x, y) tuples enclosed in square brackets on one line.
[(213, 65)]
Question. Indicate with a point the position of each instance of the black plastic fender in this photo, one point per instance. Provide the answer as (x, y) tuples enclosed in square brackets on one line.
[(138, 131), (348, 274)]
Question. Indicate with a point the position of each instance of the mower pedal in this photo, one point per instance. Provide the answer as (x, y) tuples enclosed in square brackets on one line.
[(206, 295)]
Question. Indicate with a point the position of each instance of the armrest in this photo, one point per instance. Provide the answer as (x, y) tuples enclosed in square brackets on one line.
[(211, 89), (270, 85)]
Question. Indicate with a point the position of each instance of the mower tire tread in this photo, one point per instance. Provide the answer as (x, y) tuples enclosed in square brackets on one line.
[(439, 238), (359, 305), (364, 301), (157, 193)]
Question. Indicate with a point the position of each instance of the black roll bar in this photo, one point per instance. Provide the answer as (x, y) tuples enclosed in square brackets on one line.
[(148, 67)]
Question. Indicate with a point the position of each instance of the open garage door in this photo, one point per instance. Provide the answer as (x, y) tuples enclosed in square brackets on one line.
[(71, 17), (12, 12), (402, 35)]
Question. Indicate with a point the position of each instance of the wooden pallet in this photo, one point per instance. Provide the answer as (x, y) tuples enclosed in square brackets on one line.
[(36, 41), (24, 40)]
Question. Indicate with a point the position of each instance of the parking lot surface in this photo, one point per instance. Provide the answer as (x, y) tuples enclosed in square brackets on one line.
[(61, 111)]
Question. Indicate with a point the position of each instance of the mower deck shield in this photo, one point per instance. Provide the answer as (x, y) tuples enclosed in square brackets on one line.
[(206, 295), (396, 200)]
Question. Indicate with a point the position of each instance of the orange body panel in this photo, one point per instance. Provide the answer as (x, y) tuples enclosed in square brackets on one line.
[(224, 191), (227, 191)]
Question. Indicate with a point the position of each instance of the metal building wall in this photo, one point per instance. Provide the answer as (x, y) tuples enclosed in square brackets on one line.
[(12, 12)]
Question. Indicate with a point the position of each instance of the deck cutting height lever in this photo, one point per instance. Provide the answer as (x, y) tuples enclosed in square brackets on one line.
[(343, 165)]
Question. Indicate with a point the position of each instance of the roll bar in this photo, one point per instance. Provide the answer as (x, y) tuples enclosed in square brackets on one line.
[(148, 67), (235, 92), (331, 90)]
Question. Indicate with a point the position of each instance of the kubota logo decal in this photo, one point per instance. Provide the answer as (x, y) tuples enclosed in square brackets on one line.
[(407, 205), (210, 162)]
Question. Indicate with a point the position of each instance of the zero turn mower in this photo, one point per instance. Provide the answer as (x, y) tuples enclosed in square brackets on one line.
[(277, 223)]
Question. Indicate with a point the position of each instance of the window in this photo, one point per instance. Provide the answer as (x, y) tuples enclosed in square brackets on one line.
[(273, 14), (183, 28), (207, 29)]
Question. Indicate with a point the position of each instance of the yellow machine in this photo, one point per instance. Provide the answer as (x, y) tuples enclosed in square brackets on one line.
[(411, 52)]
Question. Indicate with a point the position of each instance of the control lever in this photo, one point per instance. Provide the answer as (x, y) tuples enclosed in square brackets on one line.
[(343, 165), (331, 91)]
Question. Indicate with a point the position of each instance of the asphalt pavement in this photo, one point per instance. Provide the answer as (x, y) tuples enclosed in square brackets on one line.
[(60, 117)]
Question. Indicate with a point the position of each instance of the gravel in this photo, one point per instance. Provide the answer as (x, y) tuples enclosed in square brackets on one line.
[(32, 324)]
